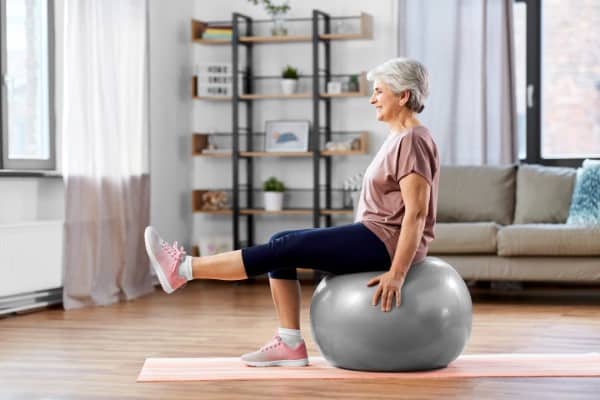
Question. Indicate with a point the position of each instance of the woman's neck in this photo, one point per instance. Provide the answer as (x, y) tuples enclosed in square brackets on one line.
[(403, 122)]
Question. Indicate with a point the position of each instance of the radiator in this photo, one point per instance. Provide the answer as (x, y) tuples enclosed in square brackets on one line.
[(31, 265)]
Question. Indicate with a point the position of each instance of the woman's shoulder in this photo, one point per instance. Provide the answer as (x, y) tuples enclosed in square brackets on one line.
[(420, 130), (414, 134)]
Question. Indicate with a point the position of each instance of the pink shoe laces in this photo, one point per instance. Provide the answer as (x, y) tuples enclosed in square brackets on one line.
[(176, 254)]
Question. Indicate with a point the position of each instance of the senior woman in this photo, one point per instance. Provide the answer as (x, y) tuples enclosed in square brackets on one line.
[(393, 226)]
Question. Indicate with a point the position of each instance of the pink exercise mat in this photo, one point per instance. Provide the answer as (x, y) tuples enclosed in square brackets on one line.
[(465, 366)]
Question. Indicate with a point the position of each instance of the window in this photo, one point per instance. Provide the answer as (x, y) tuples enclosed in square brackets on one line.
[(570, 79), (27, 85), (562, 90), (520, 45)]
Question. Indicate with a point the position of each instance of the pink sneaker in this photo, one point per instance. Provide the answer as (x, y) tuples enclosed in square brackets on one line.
[(165, 260), (277, 354)]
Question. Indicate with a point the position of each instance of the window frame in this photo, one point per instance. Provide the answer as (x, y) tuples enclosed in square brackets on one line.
[(28, 164), (534, 81)]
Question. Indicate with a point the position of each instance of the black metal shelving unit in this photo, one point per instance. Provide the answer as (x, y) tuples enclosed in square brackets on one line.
[(239, 21), (320, 38)]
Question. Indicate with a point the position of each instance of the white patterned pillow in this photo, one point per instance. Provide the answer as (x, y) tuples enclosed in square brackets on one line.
[(585, 204)]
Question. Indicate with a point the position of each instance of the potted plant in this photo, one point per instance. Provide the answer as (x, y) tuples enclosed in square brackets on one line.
[(277, 13), (273, 190), (353, 85), (289, 80)]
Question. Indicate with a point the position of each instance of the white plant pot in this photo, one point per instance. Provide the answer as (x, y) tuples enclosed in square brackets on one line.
[(273, 201), (288, 86)]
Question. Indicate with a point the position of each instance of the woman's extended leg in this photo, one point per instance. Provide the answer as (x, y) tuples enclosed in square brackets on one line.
[(225, 266)]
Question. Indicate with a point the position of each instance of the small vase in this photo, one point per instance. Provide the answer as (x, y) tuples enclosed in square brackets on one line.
[(279, 25), (273, 201), (288, 86)]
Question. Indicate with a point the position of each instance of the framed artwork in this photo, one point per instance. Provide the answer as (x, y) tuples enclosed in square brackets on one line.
[(287, 135)]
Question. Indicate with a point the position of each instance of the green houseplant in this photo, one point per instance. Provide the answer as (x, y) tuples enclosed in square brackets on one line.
[(289, 80), (277, 12), (273, 192)]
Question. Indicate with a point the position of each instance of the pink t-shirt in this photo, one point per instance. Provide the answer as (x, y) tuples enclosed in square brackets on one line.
[(380, 206)]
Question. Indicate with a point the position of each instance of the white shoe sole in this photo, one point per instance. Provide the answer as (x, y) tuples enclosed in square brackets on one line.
[(282, 363), (164, 282)]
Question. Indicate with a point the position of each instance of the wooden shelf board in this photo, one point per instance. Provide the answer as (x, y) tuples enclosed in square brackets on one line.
[(336, 212), (256, 96), (215, 212), (276, 153), (212, 41), (284, 39), (343, 36), (259, 96), (343, 153), (347, 94), (282, 154), (216, 155), (216, 98), (289, 211), (275, 39)]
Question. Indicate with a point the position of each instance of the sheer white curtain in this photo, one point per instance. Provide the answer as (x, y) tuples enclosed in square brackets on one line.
[(467, 47), (104, 122)]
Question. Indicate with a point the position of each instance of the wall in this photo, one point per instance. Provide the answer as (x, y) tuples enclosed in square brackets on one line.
[(347, 114), (170, 118)]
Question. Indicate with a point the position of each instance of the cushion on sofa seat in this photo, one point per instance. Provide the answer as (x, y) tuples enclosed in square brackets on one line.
[(464, 238), (549, 240), (585, 205), (543, 194), (476, 194)]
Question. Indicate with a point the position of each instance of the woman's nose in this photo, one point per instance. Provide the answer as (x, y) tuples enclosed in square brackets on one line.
[(372, 100)]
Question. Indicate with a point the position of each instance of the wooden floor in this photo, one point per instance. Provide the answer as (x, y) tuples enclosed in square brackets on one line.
[(97, 353)]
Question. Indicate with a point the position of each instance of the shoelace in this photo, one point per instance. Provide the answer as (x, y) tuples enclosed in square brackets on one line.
[(175, 253), (270, 346)]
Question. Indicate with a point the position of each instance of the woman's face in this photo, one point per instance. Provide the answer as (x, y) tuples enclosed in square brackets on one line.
[(387, 104)]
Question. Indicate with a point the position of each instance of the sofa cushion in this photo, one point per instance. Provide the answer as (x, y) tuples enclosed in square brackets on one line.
[(549, 240), (464, 238), (585, 205), (476, 194), (543, 194)]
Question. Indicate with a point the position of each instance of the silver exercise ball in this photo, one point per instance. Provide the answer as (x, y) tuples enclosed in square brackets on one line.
[(428, 331)]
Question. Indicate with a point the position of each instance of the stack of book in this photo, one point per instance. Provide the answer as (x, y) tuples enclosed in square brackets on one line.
[(217, 32)]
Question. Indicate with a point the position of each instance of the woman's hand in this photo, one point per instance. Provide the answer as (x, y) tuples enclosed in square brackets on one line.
[(390, 285)]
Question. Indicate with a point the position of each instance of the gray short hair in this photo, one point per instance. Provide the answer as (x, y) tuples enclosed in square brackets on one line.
[(401, 74)]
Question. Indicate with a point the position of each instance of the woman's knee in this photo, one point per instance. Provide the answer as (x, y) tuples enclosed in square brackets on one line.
[(285, 273), (278, 235)]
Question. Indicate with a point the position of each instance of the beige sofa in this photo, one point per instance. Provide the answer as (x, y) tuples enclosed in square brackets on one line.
[(508, 223)]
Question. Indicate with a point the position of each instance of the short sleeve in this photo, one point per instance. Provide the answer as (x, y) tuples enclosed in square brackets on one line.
[(415, 155)]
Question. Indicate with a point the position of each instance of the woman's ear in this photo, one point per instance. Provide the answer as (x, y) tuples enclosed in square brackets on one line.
[(404, 97)]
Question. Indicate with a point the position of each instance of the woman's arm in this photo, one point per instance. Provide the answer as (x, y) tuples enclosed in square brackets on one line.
[(415, 193)]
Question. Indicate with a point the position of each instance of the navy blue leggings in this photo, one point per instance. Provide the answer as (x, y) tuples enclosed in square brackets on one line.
[(339, 250)]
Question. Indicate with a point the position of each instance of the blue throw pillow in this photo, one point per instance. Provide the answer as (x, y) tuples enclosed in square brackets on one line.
[(585, 203)]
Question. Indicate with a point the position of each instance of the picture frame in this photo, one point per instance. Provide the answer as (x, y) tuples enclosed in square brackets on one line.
[(287, 135)]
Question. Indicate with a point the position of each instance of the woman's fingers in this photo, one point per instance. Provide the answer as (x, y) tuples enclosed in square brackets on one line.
[(376, 295), (373, 281), (388, 300)]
